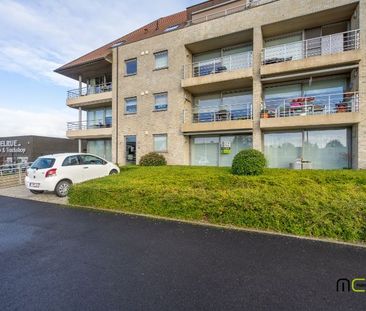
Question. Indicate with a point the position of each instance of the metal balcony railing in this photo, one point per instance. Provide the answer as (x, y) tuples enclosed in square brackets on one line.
[(223, 113), (90, 124), (250, 4), (218, 65), (89, 90), (311, 105), (326, 45)]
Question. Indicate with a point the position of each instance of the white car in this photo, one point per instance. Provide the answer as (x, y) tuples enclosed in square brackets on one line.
[(58, 172)]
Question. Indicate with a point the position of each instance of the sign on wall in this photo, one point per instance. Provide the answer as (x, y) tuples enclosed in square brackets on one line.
[(11, 146), (225, 147)]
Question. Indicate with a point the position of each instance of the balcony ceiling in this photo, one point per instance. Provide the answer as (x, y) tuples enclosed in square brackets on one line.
[(335, 15), (221, 42), (94, 69)]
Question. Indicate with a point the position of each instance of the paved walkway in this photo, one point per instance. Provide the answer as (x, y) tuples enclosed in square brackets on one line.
[(21, 192), (60, 258)]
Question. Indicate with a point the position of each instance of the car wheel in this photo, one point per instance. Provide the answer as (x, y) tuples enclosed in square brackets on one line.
[(113, 172), (62, 188), (36, 191)]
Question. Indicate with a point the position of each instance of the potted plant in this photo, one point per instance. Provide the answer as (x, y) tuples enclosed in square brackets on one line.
[(264, 113)]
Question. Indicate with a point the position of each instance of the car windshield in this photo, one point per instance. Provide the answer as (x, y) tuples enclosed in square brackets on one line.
[(42, 163)]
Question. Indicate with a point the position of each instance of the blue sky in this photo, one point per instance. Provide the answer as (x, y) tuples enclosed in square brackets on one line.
[(38, 36)]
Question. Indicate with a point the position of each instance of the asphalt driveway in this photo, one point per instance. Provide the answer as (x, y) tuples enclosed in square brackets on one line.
[(56, 258)]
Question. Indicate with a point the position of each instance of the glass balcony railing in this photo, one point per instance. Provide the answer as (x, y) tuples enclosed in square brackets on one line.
[(326, 45), (89, 124), (232, 112), (311, 105), (85, 91), (219, 65)]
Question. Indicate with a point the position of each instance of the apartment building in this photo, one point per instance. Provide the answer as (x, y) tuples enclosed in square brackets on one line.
[(286, 77)]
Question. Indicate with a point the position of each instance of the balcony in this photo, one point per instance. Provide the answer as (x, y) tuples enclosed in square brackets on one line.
[(291, 56), (211, 75), (89, 96), (90, 129), (319, 109), (231, 117), (225, 11)]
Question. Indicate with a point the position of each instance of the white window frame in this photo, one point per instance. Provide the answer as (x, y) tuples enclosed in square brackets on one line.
[(167, 101), (127, 100), (166, 143), (166, 53)]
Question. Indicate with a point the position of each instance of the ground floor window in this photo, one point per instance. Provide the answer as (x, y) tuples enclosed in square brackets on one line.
[(218, 150), (311, 149), (101, 148)]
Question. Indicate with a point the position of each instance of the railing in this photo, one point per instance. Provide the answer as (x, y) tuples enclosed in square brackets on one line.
[(250, 4), (311, 105), (218, 65), (326, 45), (12, 175), (90, 124), (224, 113), (89, 90)]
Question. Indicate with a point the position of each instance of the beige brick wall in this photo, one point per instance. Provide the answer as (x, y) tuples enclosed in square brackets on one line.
[(146, 123)]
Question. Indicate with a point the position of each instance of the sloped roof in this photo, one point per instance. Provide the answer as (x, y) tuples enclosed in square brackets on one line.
[(155, 28)]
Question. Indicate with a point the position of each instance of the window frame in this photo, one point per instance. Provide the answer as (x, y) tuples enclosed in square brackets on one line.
[(166, 142), (167, 101), (125, 108), (167, 60), (126, 66)]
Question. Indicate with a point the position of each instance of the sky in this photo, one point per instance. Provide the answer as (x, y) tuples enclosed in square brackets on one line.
[(38, 36)]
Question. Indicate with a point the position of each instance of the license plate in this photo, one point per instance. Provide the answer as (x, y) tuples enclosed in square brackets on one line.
[(34, 185)]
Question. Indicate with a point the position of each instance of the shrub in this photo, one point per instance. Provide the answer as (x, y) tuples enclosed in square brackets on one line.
[(152, 159), (249, 162)]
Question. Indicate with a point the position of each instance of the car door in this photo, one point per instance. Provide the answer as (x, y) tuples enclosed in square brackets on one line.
[(72, 169), (93, 167)]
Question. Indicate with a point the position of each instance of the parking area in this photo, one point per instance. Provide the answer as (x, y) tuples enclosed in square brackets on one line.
[(21, 192)]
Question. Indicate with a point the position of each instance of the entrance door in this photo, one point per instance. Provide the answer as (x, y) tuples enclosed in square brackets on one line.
[(130, 150)]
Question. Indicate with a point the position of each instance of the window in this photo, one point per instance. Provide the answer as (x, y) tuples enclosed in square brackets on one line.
[(131, 105), (161, 60), (99, 118), (71, 161), (43, 163), (131, 67), (161, 143), (101, 148), (91, 160), (171, 28), (161, 102)]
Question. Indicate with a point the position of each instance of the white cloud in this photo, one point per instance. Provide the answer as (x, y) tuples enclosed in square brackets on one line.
[(38, 36), (47, 123)]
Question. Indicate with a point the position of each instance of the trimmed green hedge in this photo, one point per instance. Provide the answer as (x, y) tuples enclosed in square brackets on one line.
[(249, 162), (328, 204), (152, 159)]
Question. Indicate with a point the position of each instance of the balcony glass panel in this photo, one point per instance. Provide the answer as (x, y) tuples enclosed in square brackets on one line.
[(227, 106)]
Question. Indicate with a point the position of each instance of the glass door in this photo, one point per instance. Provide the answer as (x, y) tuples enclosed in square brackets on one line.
[(130, 150)]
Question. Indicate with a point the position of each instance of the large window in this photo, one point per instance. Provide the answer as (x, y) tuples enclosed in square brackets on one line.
[(98, 118), (225, 106), (218, 150), (312, 149), (161, 143), (101, 148), (131, 67), (322, 96), (161, 102), (131, 105), (161, 60)]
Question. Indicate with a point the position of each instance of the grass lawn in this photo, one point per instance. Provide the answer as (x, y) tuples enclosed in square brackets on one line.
[(330, 204)]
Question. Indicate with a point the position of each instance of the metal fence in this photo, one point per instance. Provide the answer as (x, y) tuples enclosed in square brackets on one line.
[(88, 125), (12, 175), (326, 45), (250, 4), (311, 105), (89, 90), (219, 65), (225, 113)]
